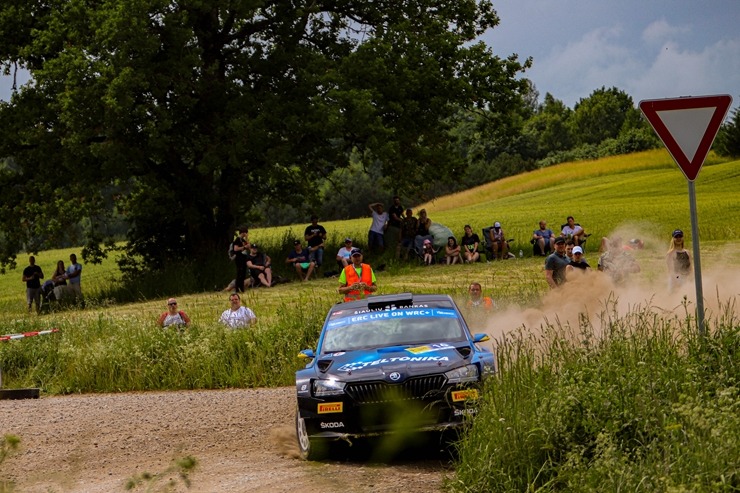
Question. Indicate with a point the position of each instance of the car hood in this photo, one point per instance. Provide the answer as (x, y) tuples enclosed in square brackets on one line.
[(408, 360)]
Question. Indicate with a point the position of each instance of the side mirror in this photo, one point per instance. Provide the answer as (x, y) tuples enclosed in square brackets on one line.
[(481, 338), (306, 354)]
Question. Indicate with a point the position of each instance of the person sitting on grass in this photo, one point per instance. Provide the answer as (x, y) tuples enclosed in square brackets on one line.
[(173, 316), (260, 266), (428, 252), (452, 251), (470, 242), (237, 316), (300, 259)]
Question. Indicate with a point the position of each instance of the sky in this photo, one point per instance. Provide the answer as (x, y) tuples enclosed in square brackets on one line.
[(650, 49)]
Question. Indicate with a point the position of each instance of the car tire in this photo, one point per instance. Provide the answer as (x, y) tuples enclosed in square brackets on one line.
[(309, 448)]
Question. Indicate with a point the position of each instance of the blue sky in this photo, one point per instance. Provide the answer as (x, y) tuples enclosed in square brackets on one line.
[(648, 48)]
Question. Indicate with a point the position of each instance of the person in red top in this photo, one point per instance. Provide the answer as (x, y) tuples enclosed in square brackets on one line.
[(357, 280)]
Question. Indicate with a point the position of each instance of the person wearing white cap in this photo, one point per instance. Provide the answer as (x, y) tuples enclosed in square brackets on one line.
[(498, 242), (578, 261), (343, 255)]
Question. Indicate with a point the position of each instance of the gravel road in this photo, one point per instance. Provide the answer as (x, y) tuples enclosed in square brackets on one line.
[(243, 440)]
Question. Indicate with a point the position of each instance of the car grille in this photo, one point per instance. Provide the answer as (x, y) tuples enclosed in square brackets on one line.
[(377, 392)]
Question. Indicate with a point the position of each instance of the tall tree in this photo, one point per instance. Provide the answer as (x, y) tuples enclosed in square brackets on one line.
[(180, 115), (603, 115), (728, 137)]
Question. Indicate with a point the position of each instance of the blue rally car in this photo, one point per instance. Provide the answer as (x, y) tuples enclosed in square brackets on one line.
[(387, 364)]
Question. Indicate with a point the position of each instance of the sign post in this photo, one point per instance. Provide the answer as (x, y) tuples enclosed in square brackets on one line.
[(687, 126)]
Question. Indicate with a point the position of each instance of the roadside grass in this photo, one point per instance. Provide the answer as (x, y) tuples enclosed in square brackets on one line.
[(635, 402)]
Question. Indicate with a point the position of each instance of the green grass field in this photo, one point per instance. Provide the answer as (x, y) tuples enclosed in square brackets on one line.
[(601, 388)]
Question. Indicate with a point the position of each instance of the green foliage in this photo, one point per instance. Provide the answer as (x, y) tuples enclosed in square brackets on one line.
[(602, 115), (8, 445), (179, 118), (620, 406), (728, 138)]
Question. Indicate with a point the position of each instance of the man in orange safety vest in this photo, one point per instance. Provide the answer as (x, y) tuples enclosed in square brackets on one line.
[(357, 280)]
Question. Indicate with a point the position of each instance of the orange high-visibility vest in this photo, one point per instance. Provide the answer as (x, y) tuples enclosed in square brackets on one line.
[(351, 275)]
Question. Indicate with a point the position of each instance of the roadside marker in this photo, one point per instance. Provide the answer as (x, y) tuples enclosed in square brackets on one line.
[(687, 126)]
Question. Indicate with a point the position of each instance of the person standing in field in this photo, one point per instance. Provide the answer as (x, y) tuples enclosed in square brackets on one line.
[(556, 265), (315, 235), (678, 260), (240, 247), (376, 235), (32, 276), (74, 275)]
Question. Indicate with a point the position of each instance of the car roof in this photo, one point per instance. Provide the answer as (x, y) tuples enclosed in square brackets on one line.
[(398, 300)]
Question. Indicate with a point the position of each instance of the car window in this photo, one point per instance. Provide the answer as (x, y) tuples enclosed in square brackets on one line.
[(348, 332)]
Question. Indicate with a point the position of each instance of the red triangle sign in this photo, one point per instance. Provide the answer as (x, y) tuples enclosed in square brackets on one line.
[(687, 127)]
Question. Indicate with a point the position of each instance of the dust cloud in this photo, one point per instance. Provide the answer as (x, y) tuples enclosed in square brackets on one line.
[(592, 294), (284, 440)]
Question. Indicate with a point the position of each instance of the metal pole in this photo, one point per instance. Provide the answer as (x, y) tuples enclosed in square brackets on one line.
[(697, 259)]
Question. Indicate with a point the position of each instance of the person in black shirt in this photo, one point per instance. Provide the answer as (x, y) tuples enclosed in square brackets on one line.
[(240, 246), (578, 261), (32, 276), (260, 267), (315, 235), (395, 217), (470, 242)]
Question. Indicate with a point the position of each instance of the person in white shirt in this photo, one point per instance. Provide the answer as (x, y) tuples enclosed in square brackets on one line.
[(237, 316), (343, 255), (376, 235)]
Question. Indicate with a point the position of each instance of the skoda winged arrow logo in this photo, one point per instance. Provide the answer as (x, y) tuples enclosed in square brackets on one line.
[(395, 376)]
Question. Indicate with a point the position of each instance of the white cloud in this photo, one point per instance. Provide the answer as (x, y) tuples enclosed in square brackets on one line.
[(661, 31)]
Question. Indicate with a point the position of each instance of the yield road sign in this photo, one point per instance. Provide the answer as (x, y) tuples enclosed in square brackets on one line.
[(687, 126)]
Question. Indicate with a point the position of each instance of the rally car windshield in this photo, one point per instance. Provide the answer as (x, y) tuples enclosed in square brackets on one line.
[(397, 327)]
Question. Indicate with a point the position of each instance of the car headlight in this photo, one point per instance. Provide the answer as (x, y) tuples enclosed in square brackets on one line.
[(467, 373), (322, 388)]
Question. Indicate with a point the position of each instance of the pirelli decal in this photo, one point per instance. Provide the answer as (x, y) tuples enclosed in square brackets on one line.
[(331, 407), (464, 395)]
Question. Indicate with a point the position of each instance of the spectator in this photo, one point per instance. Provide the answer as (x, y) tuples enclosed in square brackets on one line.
[(616, 262), (344, 253), (470, 242), (300, 259), (578, 261), (232, 285), (315, 235), (543, 239), (74, 274), (678, 260), (376, 235), (395, 219), (237, 316), (409, 225), (422, 231), (32, 276), (173, 316), (58, 278), (240, 247), (498, 242), (476, 298), (428, 252), (574, 231), (260, 267), (569, 245), (357, 280), (452, 251), (555, 265)]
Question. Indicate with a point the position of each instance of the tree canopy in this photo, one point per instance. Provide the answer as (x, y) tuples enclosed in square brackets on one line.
[(175, 117)]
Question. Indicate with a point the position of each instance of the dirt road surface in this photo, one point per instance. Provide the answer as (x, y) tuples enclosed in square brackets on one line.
[(243, 440)]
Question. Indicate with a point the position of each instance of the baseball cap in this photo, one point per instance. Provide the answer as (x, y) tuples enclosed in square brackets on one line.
[(297, 242), (497, 224), (559, 239), (427, 242), (254, 245), (577, 250), (348, 240), (677, 233), (355, 251)]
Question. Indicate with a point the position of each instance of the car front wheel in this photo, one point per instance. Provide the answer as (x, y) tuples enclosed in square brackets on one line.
[(309, 448)]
